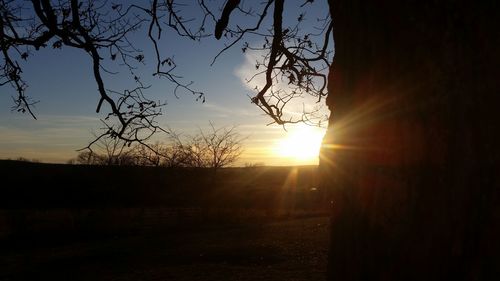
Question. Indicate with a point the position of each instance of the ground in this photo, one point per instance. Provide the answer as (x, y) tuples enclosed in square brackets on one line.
[(291, 249)]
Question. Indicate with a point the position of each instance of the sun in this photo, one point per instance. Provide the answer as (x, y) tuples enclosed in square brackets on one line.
[(301, 143)]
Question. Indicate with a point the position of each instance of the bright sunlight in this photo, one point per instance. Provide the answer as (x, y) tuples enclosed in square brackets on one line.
[(301, 143)]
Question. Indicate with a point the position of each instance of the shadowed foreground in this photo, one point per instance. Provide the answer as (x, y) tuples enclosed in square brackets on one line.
[(282, 250), (72, 222)]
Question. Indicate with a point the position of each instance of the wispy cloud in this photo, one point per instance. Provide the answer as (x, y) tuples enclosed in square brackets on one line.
[(50, 138), (246, 71), (248, 74)]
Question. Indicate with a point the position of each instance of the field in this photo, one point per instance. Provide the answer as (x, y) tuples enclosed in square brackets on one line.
[(65, 222), (293, 249)]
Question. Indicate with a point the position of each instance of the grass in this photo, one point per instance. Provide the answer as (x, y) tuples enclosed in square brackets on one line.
[(69, 222), (292, 249)]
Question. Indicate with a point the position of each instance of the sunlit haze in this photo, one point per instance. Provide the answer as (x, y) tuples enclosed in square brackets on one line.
[(301, 144)]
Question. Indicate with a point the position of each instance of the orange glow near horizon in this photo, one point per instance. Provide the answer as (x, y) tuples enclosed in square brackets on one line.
[(301, 144)]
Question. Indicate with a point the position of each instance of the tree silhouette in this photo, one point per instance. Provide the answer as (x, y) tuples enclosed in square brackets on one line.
[(294, 59), (410, 154), (408, 158), (102, 30), (108, 151), (215, 148), (221, 147)]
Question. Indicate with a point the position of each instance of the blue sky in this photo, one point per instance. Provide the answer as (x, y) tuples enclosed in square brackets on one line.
[(63, 83)]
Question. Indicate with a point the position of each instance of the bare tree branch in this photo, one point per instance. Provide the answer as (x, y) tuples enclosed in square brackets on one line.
[(295, 60), (96, 27)]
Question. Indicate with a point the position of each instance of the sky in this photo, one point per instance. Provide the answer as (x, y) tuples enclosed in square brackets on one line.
[(63, 83)]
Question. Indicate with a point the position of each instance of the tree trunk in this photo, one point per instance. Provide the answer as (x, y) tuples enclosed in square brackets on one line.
[(410, 156)]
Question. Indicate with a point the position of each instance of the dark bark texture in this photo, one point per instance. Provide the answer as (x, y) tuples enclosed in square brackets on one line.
[(411, 155)]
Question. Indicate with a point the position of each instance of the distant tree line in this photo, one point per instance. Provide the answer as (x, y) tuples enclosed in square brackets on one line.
[(217, 148)]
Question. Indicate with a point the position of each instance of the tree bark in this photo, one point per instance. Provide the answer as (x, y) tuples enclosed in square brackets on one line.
[(410, 156)]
